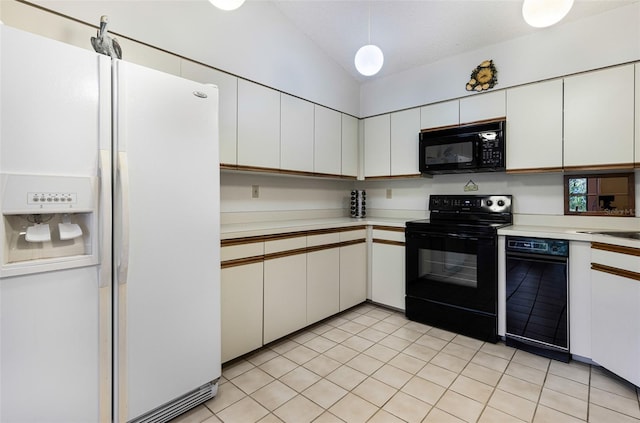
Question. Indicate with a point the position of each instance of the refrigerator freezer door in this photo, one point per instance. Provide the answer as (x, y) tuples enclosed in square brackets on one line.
[(51, 355), (168, 310)]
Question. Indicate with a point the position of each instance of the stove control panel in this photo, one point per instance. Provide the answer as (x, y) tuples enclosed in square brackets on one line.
[(470, 203)]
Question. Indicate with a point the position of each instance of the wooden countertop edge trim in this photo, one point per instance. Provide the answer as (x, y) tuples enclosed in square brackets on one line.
[(616, 271), (287, 235)]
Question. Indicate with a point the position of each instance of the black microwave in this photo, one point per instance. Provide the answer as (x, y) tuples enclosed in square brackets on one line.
[(470, 148)]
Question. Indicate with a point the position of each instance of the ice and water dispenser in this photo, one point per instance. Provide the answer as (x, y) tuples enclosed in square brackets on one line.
[(48, 223)]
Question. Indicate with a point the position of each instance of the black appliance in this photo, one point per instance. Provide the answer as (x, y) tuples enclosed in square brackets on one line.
[(469, 148), (537, 290), (452, 264)]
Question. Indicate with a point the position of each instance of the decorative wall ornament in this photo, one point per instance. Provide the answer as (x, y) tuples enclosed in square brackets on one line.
[(484, 77)]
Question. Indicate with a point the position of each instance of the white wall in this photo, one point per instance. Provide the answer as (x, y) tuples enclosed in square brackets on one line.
[(610, 38), (255, 42)]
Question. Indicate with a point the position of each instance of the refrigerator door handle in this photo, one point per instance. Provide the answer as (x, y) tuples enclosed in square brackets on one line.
[(105, 213), (123, 178)]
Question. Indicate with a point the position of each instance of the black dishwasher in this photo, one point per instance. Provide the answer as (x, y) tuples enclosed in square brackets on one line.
[(537, 291)]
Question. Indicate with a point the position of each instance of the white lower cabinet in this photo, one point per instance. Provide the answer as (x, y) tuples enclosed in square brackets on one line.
[(580, 299), (388, 268), (285, 296), (615, 310), (241, 309), (323, 284), (353, 269)]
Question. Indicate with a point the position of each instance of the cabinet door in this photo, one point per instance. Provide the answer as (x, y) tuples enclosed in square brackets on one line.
[(534, 127), (228, 105), (327, 147), (377, 146), (405, 127), (241, 310), (296, 139), (323, 284), (353, 275), (258, 125), (285, 296), (580, 299), (440, 114), (349, 145), (637, 118), (388, 275), (615, 324), (598, 118), (483, 106)]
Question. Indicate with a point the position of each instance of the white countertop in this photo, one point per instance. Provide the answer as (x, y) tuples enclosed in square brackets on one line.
[(241, 230)]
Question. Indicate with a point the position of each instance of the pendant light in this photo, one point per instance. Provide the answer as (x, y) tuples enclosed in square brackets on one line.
[(543, 13), (227, 4), (369, 58)]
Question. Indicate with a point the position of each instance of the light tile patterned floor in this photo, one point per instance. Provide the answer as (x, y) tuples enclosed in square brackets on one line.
[(371, 364)]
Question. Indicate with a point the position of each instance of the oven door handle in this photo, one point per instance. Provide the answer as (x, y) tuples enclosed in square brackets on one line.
[(459, 236)]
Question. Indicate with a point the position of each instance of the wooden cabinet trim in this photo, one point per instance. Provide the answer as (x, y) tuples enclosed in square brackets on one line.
[(616, 271), (536, 170), (241, 261), (262, 238), (615, 166), (616, 248), (286, 253), (244, 168), (388, 228), (388, 242)]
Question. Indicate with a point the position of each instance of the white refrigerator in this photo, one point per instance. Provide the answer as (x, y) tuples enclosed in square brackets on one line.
[(109, 249)]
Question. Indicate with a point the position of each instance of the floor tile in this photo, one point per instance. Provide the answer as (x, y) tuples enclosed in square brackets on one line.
[(244, 411), (472, 388), (353, 409), (374, 391), (618, 403), (322, 365), (298, 410), (598, 414), (460, 406), (491, 415), (564, 403), (324, 393), (273, 395), (438, 375), (300, 379), (549, 415), (512, 404), (278, 366), (370, 364), (407, 407), (424, 390), (392, 376)]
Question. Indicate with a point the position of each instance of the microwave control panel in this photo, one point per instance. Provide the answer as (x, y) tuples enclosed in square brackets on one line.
[(491, 152)]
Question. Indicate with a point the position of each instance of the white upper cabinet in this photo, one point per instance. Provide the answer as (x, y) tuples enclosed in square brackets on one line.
[(327, 147), (440, 114), (296, 138), (228, 101), (258, 125), (349, 146), (637, 118), (405, 127), (377, 146), (534, 127), (483, 106), (598, 118)]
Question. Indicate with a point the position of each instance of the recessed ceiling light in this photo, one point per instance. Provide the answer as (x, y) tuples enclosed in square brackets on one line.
[(543, 13), (227, 4)]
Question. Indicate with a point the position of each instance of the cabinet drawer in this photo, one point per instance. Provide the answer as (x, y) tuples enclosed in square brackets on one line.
[(353, 235), (386, 235), (323, 239), (625, 258), (234, 252), (285, 244)]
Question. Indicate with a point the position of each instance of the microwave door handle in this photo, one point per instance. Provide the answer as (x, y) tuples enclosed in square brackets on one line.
[(466, 237)]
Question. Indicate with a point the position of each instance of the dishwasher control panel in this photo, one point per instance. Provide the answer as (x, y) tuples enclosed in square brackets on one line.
[(550, 247)]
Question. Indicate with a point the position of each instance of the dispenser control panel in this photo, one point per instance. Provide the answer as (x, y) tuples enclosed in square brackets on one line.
[(52, 198)]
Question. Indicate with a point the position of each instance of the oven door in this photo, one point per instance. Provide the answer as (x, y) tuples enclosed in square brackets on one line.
[(453, 269)]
